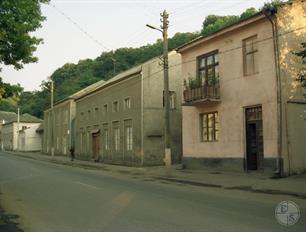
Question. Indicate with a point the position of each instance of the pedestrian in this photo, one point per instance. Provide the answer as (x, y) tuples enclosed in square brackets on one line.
[(72, 153)]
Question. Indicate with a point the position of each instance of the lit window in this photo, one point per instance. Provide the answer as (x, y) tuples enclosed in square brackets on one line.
[(250, 54)]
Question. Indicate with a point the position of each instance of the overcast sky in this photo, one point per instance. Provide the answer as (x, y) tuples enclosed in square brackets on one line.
[(80, 29)]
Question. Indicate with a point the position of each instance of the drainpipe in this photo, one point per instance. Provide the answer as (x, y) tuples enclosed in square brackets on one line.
[(279, 162)]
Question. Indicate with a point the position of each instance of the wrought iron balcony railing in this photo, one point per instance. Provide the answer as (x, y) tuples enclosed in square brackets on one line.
[(201, 94)]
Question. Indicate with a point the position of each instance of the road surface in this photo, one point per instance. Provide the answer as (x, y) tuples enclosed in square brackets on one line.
[(57, 198)]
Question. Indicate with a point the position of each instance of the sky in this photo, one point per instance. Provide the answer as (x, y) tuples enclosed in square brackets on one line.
[(79, 29)]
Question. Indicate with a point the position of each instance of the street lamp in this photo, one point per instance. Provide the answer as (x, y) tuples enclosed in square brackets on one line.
[(164, 31)]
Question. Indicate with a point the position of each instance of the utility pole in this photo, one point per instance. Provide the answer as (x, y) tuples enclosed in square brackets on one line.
[(18, 122), (52, 119), (164, 31), (164, 28)]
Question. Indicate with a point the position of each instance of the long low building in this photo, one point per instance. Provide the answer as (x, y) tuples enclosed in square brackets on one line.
[(122, 121)]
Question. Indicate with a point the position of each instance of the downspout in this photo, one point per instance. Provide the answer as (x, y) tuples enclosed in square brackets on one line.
[(279, 162), (142, 118)]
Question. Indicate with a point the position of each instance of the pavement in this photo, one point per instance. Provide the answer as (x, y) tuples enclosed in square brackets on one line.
[(258, 182)]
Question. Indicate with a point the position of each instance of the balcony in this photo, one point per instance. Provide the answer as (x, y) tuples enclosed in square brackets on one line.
[(202, 94)]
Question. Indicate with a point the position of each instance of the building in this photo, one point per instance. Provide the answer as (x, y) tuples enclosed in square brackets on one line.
[(243, 105), (21, 136), (59, 123), (122, 121)]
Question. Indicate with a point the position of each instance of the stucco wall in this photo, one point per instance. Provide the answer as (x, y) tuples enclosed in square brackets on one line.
[(58, 123), (29, 139), (10, 136), (99, 120), (291, 26), (237, 91), (153, 119)]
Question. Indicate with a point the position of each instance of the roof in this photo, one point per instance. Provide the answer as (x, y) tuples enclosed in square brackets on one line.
[(258, 16), (12, 117), (80, 93), (121, 76), (111, 81)]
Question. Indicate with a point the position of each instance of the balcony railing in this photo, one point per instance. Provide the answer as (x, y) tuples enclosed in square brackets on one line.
[(202, 94)]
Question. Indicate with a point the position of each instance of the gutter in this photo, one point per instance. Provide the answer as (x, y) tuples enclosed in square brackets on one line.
[(279, 162)]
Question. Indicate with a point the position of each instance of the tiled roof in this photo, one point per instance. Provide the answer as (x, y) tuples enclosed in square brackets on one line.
[(8, 117)]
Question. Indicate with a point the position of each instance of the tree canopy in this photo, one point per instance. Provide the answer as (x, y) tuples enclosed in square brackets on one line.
[(214, 23), (18, 19)]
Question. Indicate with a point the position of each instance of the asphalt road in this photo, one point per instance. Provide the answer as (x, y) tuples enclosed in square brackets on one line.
[(56, 198)]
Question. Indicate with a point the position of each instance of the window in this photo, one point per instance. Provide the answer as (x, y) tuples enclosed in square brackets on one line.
[(172, 99), (250, 53), (105, 108), (128, 134), (116, 135), (106, 139), (127, 103), (88, 115), (96, 112), (208, 69), (115, 106), (82, 116), (209, 127)]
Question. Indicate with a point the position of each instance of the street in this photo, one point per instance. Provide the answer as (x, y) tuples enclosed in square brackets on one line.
[(57, 198)]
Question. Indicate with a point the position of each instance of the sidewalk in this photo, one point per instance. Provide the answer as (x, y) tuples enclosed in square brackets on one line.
[(252, 182)]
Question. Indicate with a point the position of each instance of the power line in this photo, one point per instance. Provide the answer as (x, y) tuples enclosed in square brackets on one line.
[(80, 28)]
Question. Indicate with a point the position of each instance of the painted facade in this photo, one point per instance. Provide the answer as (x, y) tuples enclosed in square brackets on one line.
[(121, 122), (27, 139), (235, 114), (59, 122)]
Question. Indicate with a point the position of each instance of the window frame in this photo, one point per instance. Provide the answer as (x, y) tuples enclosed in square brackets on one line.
[(216, 130), (207, 67), (245, 54), (125, 105), (115, 109)]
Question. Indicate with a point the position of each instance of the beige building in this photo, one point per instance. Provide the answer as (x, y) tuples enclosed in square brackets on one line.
[(122, 121), (58, 129), (21, 136), (243, 107)]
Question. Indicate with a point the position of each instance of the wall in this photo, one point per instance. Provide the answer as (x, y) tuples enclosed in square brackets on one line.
[(153, 118), (237, 92), (291, 26), (29, 139), (63, 113), (91, 116)]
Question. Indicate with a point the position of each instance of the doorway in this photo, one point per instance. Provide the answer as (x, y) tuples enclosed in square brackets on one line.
[(96, 146), (254, 138)]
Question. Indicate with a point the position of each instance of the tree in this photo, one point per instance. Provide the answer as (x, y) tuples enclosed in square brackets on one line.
[(18, 19), (302, 54), (213, 23)]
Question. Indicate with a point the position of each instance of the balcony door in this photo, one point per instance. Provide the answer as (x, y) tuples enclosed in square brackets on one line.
[(254, 138)]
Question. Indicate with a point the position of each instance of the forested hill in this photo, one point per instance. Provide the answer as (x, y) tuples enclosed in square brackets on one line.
[(72, 77)]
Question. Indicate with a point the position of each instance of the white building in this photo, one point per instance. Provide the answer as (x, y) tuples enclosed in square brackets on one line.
[(23, 135)]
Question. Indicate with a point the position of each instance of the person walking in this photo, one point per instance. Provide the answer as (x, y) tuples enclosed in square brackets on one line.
[(72, 153)]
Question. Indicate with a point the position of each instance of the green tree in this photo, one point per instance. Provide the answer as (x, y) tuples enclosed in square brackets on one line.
[(214, 23), (18, 18)]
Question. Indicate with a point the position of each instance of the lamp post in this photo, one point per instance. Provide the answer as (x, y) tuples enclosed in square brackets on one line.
[(164, 31)]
